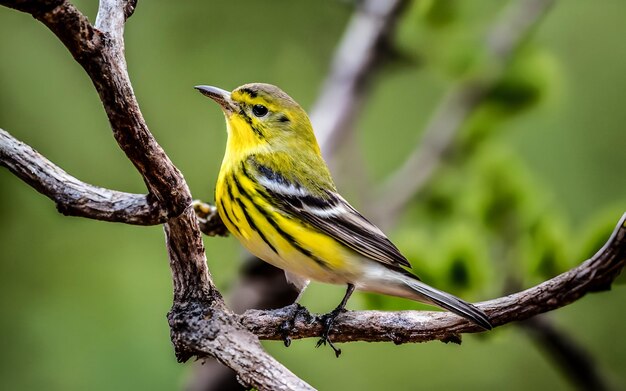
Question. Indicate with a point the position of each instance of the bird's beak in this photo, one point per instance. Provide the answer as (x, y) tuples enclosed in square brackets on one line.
[(222, 97)]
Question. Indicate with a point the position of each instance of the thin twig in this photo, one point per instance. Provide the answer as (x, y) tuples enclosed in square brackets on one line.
[(72, 196), (356, 60), (200, 323), (595, 274), (505, 37)]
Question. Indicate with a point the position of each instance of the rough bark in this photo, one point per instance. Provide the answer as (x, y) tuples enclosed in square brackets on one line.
[(201, 325), (72, 196)]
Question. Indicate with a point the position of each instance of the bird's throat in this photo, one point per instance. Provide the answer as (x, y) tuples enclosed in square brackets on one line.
[(242, 140)]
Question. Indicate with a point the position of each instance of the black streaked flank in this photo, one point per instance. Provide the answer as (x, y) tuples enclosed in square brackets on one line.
[(232, 197), (253, 225), (227, 212), (288, 237), (221, 206), (230, 193)]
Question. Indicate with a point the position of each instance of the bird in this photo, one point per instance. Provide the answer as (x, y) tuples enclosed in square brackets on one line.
[(275, 194)]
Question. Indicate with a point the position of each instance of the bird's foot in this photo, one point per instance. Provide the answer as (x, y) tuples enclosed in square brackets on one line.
[(296, 310), (327, 322), (209, 219)]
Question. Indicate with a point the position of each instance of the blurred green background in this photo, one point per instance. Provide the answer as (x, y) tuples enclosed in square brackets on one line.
[(534, 186)]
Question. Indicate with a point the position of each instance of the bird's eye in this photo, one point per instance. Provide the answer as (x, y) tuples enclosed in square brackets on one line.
[(259, 110)]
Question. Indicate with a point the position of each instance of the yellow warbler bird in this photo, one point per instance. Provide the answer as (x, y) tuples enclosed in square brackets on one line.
[(275, 194)]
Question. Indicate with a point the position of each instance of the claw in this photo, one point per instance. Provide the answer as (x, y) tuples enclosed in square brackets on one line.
[(285, 329), (327, 322), (202, 209), (288, 325)]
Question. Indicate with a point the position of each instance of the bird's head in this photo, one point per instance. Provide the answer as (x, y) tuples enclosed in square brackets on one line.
[(262, 117)]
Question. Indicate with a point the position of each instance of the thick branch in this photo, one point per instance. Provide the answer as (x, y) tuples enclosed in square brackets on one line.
[(198, 328), (595, 274), (100, 51), (73, 197), (506, 35)]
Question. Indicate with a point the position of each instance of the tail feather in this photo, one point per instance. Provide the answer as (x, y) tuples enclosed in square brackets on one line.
[(399, 282), (449, 302)]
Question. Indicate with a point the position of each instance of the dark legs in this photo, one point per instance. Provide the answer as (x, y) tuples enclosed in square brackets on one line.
[(285, 328), (329, 319)]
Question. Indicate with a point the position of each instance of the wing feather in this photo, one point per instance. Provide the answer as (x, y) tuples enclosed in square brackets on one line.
[(329, 213)]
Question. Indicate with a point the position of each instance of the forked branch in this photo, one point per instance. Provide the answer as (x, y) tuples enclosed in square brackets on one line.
[(100, 51), (201, 325)]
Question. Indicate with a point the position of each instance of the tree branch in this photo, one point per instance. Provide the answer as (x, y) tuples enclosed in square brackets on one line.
[(200, 323), (100, 51), (504, 38), (210, 329), (595, 274), (73, 197)]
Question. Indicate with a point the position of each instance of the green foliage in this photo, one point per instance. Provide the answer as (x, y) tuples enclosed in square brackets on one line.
[(533, 186), (531, 74), (489, 219), (437, 14)]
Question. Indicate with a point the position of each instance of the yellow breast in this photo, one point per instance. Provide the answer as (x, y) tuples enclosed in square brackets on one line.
[(278, 239)]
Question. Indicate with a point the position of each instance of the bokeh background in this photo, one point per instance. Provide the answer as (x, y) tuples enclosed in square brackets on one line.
[(535, 184)]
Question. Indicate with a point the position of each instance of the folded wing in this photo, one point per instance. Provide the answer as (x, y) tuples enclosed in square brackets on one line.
[(330, 213)]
